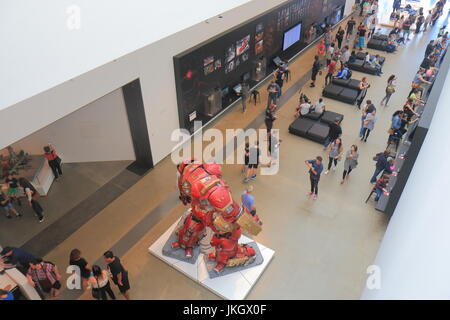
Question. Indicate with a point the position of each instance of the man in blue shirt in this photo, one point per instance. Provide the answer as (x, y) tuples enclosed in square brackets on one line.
[(382, 165), (315, 169), (18, 257), (274, 91), (248, 201), (343, 74)]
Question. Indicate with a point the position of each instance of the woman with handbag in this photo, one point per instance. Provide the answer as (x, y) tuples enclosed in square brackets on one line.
[(390, 89), (335, 151), (44, 277), (54, 161), (32, 197), (351, 161), (99, 282)]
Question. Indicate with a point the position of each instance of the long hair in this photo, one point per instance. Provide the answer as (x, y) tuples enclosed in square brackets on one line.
[(391, 78), (27, 184)]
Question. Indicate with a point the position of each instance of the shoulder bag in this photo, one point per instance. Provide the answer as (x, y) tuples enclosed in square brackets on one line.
[(96, 291)]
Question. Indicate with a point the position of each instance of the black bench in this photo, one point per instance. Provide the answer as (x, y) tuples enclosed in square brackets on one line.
[(362, 56), (377, 44), (341, 93), (314, 130)]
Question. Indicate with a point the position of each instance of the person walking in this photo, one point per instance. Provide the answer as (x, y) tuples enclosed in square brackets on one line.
[(270, 117), (329, 54), (390, 89), (327, 38), (350, 26), (119, 274), (331, 71), (13, 188), (32, 196), (396, 5), (273, 90), (6, 204), (279, 79), (334, 132), (315, 70), (44, 277), (99, 282), (382, 164), (340, 37), (406, 28), (363, 86), (367, 109), (419, 21), (248, 201), (315, 167), (362, 30), (369, 124), (54, 161), (246, 157), (335, 151), (427, 21), (75, 259), (351, 162)]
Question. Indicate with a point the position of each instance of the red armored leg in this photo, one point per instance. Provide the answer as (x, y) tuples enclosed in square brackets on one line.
[(188, 235)]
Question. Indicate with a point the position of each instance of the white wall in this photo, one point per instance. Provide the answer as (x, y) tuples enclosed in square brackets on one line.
[(414, 257), (348, 7), (96, 132), (153, 64)]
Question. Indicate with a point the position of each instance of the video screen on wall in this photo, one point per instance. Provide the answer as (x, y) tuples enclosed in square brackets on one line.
[(206, 74), (292, 36)]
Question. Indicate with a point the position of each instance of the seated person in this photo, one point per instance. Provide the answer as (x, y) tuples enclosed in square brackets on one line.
[(381, 185), (304, 108), (319, 107), (375, 63), (352, 58), (367, 57), (344, 74), (391, 46)]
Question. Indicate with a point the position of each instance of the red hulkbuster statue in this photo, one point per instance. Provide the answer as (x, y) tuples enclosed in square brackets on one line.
[(212, 206)]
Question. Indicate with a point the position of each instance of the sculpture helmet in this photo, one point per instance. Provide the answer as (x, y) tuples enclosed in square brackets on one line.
[(184, 163)]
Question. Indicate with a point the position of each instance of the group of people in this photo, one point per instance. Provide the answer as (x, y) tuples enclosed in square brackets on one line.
[(45, 277), (17, 186)]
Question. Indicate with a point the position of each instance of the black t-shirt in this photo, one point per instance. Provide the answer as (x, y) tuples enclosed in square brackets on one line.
[(81, 263), (350, 25), (426, 63), (370, 108), (362, 32), (340, 35), (316, 66), (115, 268), (335, 131), (13, 183)]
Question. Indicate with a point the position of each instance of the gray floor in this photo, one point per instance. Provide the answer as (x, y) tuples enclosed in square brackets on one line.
[(79, 181)]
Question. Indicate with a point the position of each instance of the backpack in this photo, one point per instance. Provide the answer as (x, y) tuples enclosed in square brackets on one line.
[(349, 74)]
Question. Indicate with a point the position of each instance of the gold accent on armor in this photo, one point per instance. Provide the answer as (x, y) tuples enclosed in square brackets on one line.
[(208, 186), (247, 222), (234, 262), (222, 225)]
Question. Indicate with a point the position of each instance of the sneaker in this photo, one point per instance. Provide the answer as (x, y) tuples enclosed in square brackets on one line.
[(42, 219), (18, 215), (315, 197), (246, 180), (334, 168), (325, 172), (253, 177)]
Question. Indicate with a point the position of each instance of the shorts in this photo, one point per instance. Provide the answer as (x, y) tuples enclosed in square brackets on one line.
[(126, 285), (349, 32), (8, 206), (13, 190), (253, 166), (314, 75)]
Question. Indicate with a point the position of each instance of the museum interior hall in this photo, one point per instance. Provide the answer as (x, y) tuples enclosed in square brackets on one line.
[(253, 149)]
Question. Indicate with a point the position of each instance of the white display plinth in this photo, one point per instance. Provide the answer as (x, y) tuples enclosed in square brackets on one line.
[(234, 286)]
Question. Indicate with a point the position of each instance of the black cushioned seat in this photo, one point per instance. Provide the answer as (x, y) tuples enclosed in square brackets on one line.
[(330, 116), (362, 56), (383, 37), (312, 115), (357, 65), (340, 82), (377, 44), (318, 132), (349, 95), (353, 84), (368, 68), (301, 126), (332, 91)]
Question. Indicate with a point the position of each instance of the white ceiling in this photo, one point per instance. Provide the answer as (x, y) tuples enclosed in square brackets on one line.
[(38, 50)]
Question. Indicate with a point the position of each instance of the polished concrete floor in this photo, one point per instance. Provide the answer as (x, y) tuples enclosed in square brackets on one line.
[(322, 248), (78, 182)]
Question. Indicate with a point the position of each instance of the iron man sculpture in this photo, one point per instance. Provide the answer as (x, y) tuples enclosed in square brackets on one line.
[(201, 185)]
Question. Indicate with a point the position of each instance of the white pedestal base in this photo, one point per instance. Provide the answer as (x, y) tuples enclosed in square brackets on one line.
[(234, 286)]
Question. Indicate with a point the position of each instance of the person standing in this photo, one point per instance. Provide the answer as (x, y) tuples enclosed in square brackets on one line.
[(118, 273), (270, 117), (248, 201), (315, 167), (44, 277), (279, 79), (331, 71), (396, 5), (246, 157), (254, 154), (350, 26), (54, 161), (369, 124), (390, 89), (6, 204), (366, 110), (406, 28), (32, 197), (334, 132), (351, 162), (335, 151), (327, 38), (345, 56), (99, 282), (430, 48), (13, 187), (382, 164), (420, 20), (245, 92), (427, 21), (362, 30), (315, 70), (340, 37), (75, 259), (363, 86), (273, 90)]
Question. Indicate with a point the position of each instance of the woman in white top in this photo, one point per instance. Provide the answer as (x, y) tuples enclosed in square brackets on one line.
[(99, 282), (32, 196)]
